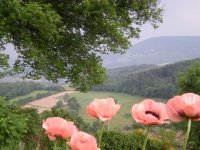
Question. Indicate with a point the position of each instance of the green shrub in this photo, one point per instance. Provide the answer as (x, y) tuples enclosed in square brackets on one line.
[(168, 136), (13, 125), (127, 141), (155, 144), (34, 129), (73, 105)]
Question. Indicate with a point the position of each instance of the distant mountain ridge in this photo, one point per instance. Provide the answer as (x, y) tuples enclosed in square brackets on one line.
[(157, 51)]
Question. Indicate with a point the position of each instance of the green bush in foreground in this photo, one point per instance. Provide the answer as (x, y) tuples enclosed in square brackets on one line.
[(13, 125), (128, 141)]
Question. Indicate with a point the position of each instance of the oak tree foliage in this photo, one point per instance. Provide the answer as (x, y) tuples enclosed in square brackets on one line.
[(62, 39)]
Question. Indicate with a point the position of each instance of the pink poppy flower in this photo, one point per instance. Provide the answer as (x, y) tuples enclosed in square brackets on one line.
[(56, 126), (103, 109), (149, 112), (83, 141), (185, 106)]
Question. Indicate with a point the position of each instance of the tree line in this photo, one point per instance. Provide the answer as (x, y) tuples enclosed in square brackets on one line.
[(11, 90), (159, 82), (26, 100)]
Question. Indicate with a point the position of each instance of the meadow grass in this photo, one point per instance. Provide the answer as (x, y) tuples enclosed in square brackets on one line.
[(123, 117)]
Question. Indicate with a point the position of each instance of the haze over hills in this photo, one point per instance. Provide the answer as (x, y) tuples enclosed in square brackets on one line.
[(157, 50), (148, 53)]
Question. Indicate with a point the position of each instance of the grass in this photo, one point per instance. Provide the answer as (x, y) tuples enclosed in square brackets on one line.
[(123, 117), (32, 94)]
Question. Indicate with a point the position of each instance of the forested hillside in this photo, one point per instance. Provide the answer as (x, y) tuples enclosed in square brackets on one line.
[(124, 71), (11, 90), (159, 82)]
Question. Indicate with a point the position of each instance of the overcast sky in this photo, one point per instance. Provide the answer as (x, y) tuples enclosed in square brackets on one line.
[(181, 18)]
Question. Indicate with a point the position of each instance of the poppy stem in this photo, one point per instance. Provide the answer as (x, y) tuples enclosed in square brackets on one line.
[(55, 145), (67, 146), (108, 125), (100, 135), (187, 134), (146, 138), (38, 144)]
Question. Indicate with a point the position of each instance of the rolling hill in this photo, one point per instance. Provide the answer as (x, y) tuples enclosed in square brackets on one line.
[(157, 50)]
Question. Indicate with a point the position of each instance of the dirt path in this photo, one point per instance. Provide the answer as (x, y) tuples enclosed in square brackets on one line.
[(48, 102)]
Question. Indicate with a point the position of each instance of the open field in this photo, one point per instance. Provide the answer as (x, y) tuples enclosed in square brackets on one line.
[(48, 102), (123, 117)]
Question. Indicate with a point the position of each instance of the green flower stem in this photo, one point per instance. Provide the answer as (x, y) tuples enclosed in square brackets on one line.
[(146, 138), (55, 145), (187, 134), (68, 147), (108, 125), (38, 144), (100, 135)]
